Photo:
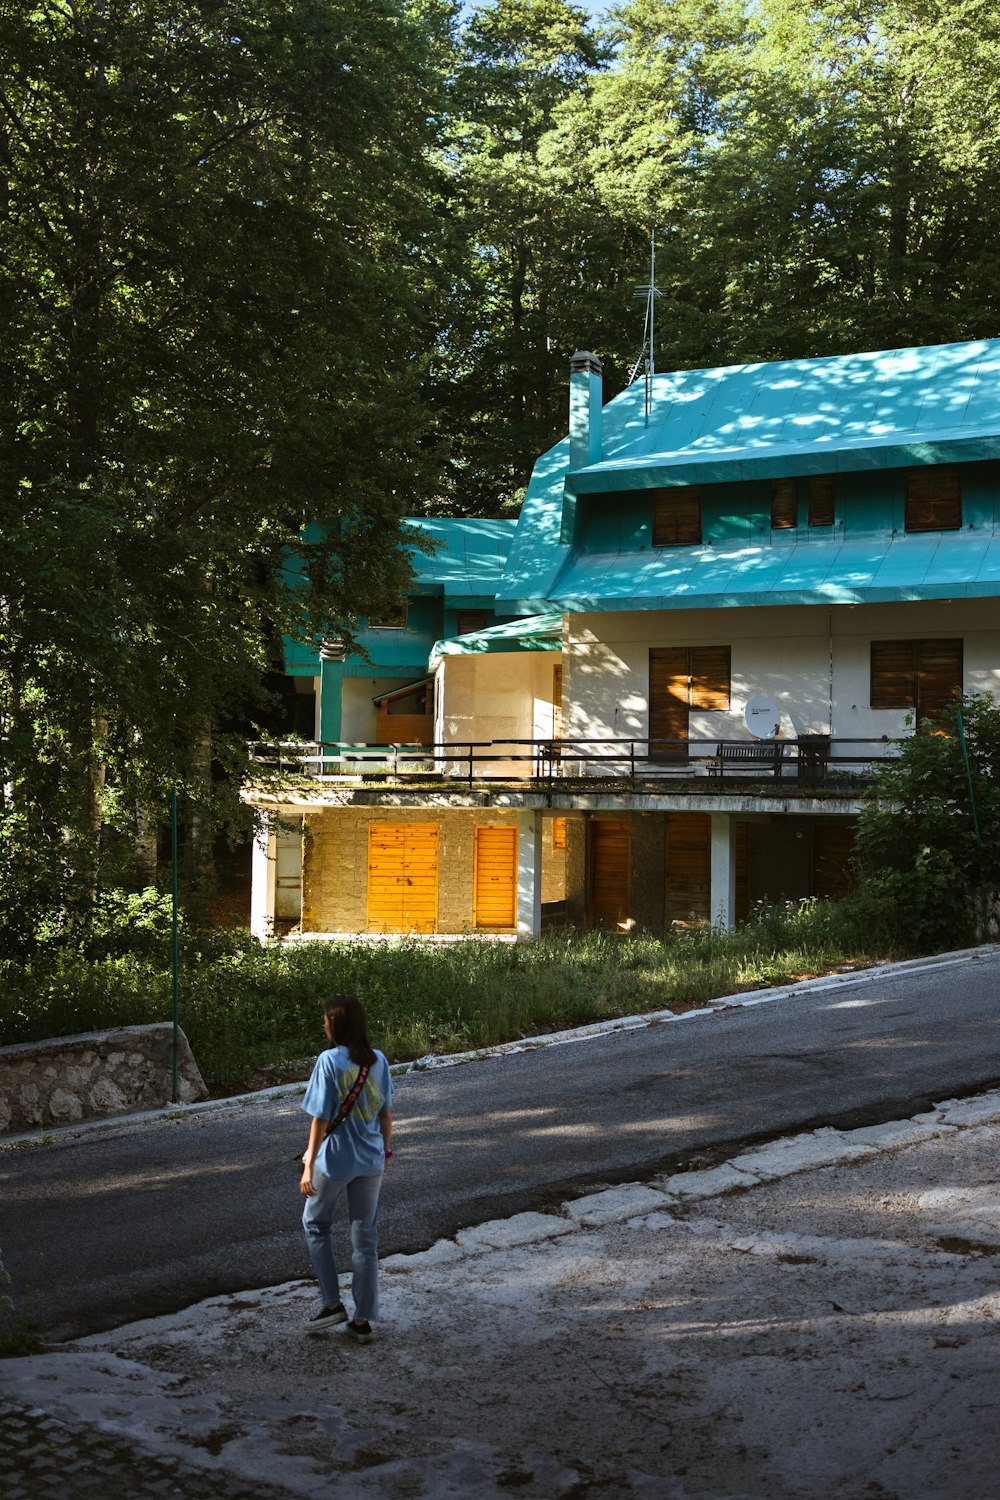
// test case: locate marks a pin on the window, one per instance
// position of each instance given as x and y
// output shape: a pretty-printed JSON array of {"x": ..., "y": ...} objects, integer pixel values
[
  {"x": 677, "y": 518},
  {"x": 822, "y": 500},
  {"x": 784, "y": 505},
  {"x": 389, "y": 619},
  {"x": 933, "y": 500},
  {"x": 470, "y": 620},
  {"x": 922, "y": 675},
  {"x": 682, "y": 678}
]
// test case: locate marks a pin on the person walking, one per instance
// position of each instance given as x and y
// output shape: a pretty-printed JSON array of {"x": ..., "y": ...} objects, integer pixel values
[{"x": 349, "y": 1097}]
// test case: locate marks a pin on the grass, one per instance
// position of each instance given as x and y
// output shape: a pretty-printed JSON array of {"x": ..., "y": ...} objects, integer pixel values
[{"x": 253, "y": 1015}]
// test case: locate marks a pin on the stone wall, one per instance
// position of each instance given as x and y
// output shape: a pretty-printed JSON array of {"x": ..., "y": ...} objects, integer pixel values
[{"x": 74, "y": 1078}]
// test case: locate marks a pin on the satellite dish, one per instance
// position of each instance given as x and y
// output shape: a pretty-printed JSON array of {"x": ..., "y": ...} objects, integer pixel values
[{"x": 762, "y": 718}]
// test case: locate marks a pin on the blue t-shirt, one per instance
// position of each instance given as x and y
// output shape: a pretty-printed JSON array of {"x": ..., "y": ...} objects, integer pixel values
[{"x": 354, "y": 1149}]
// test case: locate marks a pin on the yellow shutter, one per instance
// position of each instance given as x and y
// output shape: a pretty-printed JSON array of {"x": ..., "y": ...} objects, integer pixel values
[
  {"x": 496, "y": 877},
  {"x": 402, "y": 877}
]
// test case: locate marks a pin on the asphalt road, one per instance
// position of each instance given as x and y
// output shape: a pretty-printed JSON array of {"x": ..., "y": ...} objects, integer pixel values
[{"x": 142, "y": 1218}]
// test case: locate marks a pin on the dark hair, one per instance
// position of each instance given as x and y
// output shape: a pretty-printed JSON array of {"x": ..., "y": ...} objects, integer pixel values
[{"x": 348, "y": 1028}]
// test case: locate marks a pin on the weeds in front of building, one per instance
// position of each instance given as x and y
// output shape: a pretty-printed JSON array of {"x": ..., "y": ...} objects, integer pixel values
[{"x": 251, "y": 1013}]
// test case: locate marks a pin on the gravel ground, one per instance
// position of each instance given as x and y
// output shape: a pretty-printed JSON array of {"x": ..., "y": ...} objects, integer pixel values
[{"x": 818, "y": 1318}]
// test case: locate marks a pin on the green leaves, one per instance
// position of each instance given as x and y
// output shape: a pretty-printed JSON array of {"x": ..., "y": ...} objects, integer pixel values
[
  {"x": 214, "y": 287},
  {"x": 930, "y": 837}
]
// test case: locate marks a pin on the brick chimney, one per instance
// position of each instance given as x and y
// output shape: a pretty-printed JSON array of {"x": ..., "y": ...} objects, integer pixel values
[{"x": 585, "y": 392}]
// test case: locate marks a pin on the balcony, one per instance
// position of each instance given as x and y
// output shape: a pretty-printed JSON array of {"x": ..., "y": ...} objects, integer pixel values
[{"x": 702, "y": 766}]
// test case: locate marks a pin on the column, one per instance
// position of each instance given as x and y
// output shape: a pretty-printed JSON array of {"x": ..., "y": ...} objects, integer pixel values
[
  {"x": 263, "y": 878},
  {"x": 529, "y": 876},
  {"x": 722, "y": 904}
]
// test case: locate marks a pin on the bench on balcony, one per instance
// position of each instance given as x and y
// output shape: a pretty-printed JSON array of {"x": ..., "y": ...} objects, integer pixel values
[{"x": 757, "y": 755}]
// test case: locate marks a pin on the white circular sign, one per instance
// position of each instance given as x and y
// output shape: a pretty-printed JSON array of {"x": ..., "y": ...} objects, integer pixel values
[{"x": 762, "y": 718}]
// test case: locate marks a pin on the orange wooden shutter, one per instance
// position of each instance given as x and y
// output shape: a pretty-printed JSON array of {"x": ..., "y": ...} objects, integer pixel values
[
  {"x": 784, "y": 504},
  {"x": 609, "y": 871},
  {"x": 833, "y": 845},
  {"x": 710, "y": 677},
  {"x": 495, "y": 877},
  {"x": 402, "y": 877},
  {"x": 689, "y": 866},
  {"x": 893, "y": 674},
  {"x": 669, "y": 694},
  {"x": 933, "y": 500},
  {"x": 558, "y": 833},
  {"x": 822, "y": 501},
  {"x": 939, "y": 675},
  {"x": 677, "y": 517}
]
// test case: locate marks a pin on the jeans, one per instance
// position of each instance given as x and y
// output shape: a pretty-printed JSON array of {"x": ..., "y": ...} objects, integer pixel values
[{"x": 317, "y": 1221}]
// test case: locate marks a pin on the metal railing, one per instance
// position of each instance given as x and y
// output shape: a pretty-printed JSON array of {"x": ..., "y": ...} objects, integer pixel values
[{"x": 811, "y": 760}]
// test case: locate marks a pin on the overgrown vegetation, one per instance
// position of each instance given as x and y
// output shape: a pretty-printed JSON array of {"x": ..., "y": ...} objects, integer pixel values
[
  {"x": 252, "y": 1014},
  {"x": 929, "y": 840}
]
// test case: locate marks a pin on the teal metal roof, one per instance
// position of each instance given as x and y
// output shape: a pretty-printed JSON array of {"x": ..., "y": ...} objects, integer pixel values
[
  {"x": 537, "y": 633},
  {"x": 468, "y": 560},
  {"x": 862, "y": 570},
  {"x": 879, "y": 411}
]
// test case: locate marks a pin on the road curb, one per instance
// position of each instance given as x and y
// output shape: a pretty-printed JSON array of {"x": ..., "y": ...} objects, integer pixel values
[{"x": 590, "y": 1032}]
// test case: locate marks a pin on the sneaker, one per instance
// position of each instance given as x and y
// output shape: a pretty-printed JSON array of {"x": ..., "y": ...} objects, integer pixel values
[
  {"x": 327, "y": 1317},
  {"x": 361, "y": 1333}
]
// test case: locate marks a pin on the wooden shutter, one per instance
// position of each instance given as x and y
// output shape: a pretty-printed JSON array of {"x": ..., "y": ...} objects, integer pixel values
[
  {"x": 833, "y": 845},
  {"x": 495, "y": 878},
  {"x": 784, "y": 504},
  {"x": 689, "y": 867},
  {"x": 710, "y": 677},
  {"x": 609, "y": 871},
  {"x": 822, "y": 501},
  {"x": 677, "y": 518},
  {"x": 558, "y": 833},
  {"x": 669, "y": 699},
  {"x": 939, "y": 675},
  {"x": 893, "y": 674},
  {"x": 470, "y": 620},
  {"x": 923, "y": 675},
  {"x": 933, "y": 500},
  {"x": 402, "y": 877}
]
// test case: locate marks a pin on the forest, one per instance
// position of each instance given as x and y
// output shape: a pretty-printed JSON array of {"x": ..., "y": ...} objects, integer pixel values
[{"x": 327, "y": 259}]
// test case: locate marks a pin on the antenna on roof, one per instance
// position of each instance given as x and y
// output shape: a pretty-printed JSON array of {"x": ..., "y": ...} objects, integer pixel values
[{"x": 648, "y": 291}]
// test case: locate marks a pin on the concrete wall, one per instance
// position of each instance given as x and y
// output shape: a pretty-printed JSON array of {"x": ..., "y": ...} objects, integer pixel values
[
  {"x": 335, "y": 865},
  {"x": 814, "y": 662},
  {"x": 496, "y": 696},
  {"x": 358, "y": 712},
  {"x": 97, "y": 1073}
]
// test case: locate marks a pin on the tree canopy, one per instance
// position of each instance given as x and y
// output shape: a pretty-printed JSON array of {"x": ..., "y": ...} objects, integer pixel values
[{"x": 324, "y": 259}]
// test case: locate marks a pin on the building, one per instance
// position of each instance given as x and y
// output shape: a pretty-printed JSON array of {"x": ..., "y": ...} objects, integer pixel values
[{"x": 727, "y": 593}]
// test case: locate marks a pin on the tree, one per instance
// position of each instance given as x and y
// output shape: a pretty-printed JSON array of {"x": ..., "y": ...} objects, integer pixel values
[
  {"x": 929, "y": 836},
  {"x": 525, "y": 244},
  {"x": 217, "y": 237}
]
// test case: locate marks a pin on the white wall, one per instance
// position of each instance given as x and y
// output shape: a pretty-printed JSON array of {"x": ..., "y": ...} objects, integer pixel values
[
  {"x": 496, "y": 696},
  {"x": 812, "y": 661},
  {"x": 357, "y": 726}
]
